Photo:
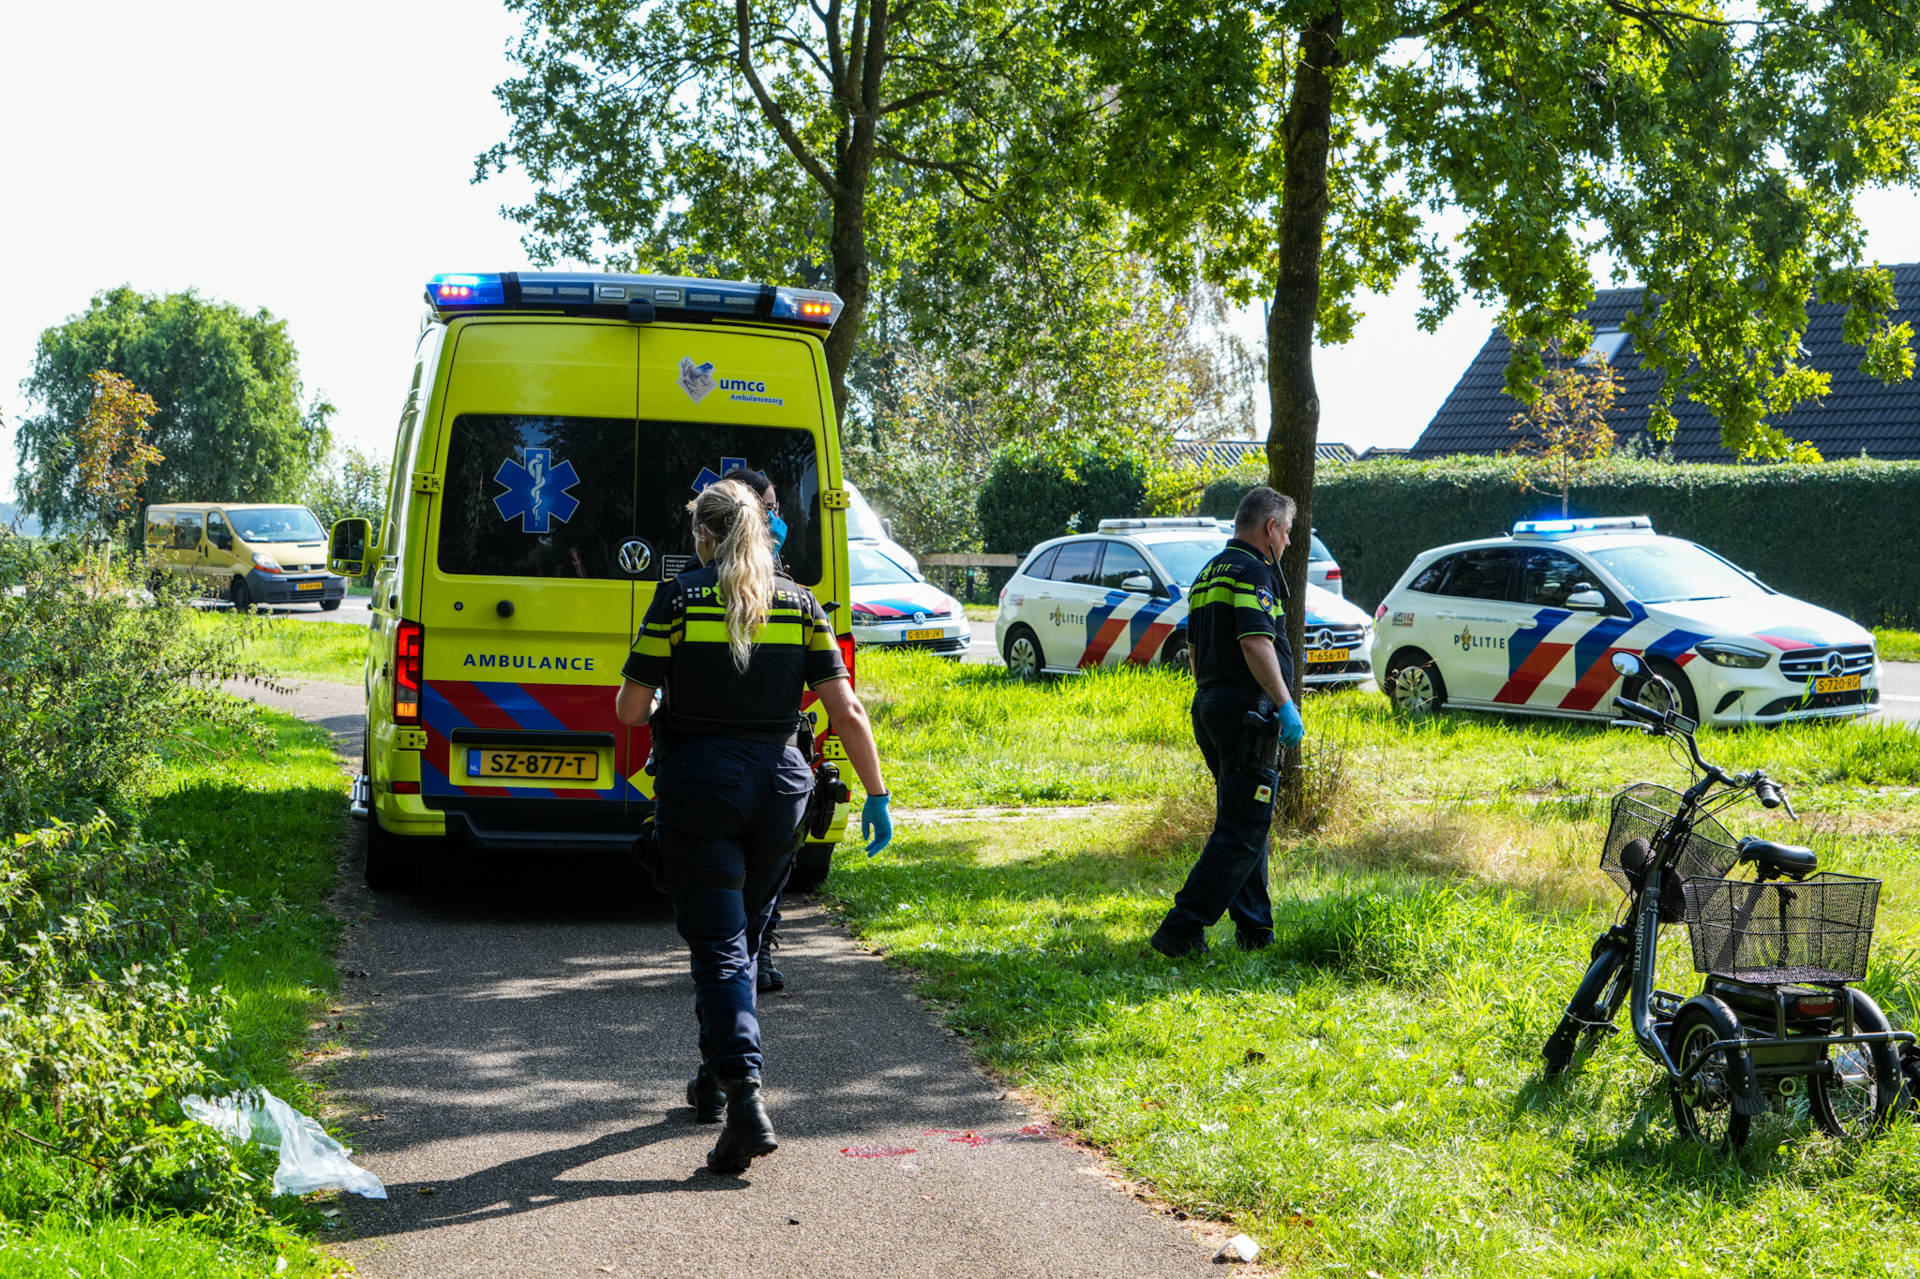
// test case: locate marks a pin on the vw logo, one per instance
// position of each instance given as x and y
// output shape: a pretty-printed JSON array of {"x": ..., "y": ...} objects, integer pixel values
[
  {"x": 635, "y": 555},
  {"x": 921, "y": 617},
  {"x": 1836, "y": 664}
]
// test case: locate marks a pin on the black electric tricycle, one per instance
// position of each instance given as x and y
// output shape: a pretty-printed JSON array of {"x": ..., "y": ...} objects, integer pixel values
[{"x": 1778, "y": 1021}]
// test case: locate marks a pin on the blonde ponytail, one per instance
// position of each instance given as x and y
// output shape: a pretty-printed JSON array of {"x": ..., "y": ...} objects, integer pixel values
[{"x": 730, "y": 514}]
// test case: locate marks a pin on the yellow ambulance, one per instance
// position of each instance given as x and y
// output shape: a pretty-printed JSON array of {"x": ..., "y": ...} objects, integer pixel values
[{"x": 556, "y": 427}]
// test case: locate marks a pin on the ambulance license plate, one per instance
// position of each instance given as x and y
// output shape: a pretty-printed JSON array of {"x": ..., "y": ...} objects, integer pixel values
[
  {"x": 1836, "y": 684},
  {"x": 913, "y": 635},
  {"x": 541, "y": 766},
  {"x": 308, "y": 586},
  {"x": 1327, "y": 654}
]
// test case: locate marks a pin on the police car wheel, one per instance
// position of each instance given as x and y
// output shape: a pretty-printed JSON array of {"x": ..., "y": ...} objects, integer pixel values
[
  {"x": 1414, "y": 683},
  {"x": 1024, "y": 658},
  {"x": 1176, "y": 652},
  {"x": 1651, "y": 694}
]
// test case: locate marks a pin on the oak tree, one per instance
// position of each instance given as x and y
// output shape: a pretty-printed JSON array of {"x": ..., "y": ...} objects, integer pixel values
[
  {"x": 225, "y": 384},
  {"x": 775, "y": 141},
  {"x": 1305, "y": 151}
]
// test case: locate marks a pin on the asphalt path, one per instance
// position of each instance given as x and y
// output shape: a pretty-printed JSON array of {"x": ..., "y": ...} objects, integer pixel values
[{"x": 522, "y": 1035}]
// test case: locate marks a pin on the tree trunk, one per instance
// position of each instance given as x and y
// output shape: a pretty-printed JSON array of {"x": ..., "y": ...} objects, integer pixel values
[
  {"x": 1291, "y": 323},
  {"x": 850, "y": 277}
]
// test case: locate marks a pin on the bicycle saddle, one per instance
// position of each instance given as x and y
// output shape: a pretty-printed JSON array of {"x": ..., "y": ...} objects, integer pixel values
[{"x": 1777, "y": 860}]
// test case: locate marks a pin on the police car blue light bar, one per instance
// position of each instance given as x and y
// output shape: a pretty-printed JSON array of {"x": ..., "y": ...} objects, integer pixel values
[
  {"x": 1562, "y": 528},
  {"x": 619, "y": 294}
]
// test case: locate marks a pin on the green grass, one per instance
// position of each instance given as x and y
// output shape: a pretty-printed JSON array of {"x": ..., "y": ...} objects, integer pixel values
[
  {"x": 962, "y": 734},
  {"x": 298, "y": 649},
  {"x": 270, "y": 826},
  {"x": 981, "y": 612},
  {"x": 1897, "y": 645},
  {"x": 1365, "y": 1095}
]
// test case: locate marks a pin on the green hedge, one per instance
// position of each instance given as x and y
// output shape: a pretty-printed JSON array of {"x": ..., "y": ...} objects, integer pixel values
[
  {"x": 1844, "y": 535},
  {"x": 1028, "y": 498}
]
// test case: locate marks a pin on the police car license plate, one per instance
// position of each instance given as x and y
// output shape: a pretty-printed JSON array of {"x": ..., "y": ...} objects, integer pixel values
[
  {"x": 308, "y": 586},
  {"x": 543, "y": 766},
  {"x": 1836, "y": 684},
  {"x": 932, "y": 634},
  {"x": 1327, "y": 654}
]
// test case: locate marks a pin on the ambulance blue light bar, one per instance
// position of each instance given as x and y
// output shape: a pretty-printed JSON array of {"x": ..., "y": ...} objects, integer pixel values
[
  {"x": 1566, "y": 528},
  {"x": 636, "y": 297}
]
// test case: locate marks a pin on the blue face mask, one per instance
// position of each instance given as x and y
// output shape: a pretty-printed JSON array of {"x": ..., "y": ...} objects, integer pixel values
[{"x": 777, "y": 527}]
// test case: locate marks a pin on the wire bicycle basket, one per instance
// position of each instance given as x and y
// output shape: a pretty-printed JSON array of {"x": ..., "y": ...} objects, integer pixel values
[
  {"x": 1644, "y": 811},
  {"x": 1817, "y": 930}
]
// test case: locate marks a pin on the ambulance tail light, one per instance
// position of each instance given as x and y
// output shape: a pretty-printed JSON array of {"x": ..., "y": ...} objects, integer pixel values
[
  {"x": 409, "y": 660},
  {"x": 846, "y": 655}
]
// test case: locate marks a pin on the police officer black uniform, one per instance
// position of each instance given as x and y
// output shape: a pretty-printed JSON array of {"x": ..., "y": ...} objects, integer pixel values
[
  {"x": 731, "y": 781},
  {"x": 1243, "y": 710}
]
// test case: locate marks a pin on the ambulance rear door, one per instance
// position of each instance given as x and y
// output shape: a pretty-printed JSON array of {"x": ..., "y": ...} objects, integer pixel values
[
  {"x": 528, "y": 595},
  {"x": 714, "y": 399}
]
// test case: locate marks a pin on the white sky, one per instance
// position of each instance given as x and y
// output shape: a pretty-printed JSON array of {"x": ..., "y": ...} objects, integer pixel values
[{"x": 319, "y": 167}]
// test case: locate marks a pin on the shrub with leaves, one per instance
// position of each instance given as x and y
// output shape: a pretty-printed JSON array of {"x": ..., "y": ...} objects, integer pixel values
[
  {"x": 95, "y": 676},
  {"x": 101, "y": 1030}
]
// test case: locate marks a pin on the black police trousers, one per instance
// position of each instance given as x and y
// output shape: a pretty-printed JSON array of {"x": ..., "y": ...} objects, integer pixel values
[
  {"x": 1231, "y": 873},
  {"x": 728, "y": 814}
]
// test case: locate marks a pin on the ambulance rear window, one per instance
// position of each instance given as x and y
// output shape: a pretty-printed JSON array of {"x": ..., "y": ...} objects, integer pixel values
[
  {"x": 537, "y": 496},
  {"x": 530, "y": 496}
]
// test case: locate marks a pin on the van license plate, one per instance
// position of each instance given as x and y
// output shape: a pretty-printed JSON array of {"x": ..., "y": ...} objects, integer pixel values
[
  {"x": 1327, "y": 655},
  {"x": 913, "y": 635},
  {"x": 543, "y": 766},
  {"x": 1836, "y": 684},
  {"x": 308, "y": 586}
]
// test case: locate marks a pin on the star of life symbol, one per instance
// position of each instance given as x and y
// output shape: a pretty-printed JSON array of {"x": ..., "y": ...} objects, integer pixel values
[
  {"x": 696, "y": 379},
  {"x": 536, "y": 490},
  {"x": 728, "y": 465}
]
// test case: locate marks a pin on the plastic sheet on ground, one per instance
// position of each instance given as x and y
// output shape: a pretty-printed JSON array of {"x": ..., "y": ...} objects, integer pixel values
[{"x": 309, "y": 1159}]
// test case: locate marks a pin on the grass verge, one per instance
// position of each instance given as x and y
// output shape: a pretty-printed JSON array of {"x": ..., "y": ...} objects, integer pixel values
[
  {"x": 1365, "y": 1095},
  {"x": 269, "y": 827},
  {"x": 1896, "y": 645},
  {"x": 956, "y": 734},
  {"x": 309, "y": 649}
]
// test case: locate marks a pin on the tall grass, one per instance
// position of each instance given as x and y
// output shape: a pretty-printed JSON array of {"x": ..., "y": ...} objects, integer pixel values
[{"x": 957, "y": 735}]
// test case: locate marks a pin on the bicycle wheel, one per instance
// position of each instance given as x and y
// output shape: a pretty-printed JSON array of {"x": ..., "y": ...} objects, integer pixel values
[
  {"x": 1703, "y": 1105},
  {"x": 1590, "y": 1013},
  {"x": 1858, "y": 1099}
]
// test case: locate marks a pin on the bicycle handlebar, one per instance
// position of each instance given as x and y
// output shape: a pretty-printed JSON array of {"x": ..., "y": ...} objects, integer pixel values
[{"x": 1671, "y": 722}]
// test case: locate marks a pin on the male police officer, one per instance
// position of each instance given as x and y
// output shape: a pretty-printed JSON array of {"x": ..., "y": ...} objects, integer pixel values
[{"x": 1242, "y": 711}]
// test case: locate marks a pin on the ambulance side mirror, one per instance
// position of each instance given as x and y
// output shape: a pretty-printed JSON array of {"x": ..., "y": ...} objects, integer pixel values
[{"x": 350, "y": 547}]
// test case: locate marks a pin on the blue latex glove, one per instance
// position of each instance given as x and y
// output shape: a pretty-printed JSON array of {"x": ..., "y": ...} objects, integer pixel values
[
  {"x": 876, "y": 824},
  {"x": 1292, "y": 731}
]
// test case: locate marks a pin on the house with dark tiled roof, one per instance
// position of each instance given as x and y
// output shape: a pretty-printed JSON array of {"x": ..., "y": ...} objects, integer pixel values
[{"x": 1857, "y": 414}]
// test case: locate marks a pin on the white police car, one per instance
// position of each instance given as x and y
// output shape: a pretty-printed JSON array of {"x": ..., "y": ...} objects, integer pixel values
[
  {"x": 894, "y": 607},
  {"x": 1120, "y": 595},
  {"x": 1529, "y": 623}
]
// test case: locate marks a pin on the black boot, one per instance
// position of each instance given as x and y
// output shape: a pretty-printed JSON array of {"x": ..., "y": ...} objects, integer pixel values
[
  {"x": 704, "y": 1095},
  {"x": 748, "y": 1133}
]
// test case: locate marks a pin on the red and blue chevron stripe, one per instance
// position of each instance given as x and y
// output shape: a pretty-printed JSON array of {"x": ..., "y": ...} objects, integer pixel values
[{"x": 451, "y": 705}]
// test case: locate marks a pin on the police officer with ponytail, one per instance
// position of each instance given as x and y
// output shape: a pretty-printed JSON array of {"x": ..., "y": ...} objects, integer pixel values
[{"x": 732, "y": 645}]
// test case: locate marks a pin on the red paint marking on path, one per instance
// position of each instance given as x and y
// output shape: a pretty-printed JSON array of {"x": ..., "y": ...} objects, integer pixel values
[{"x": 875, "y": 1152}]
